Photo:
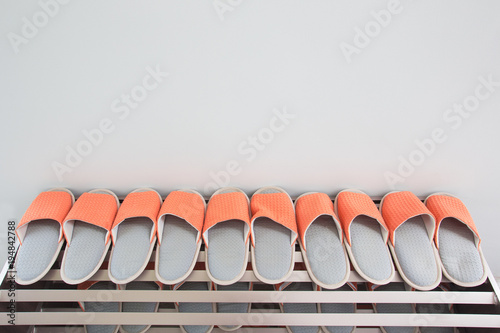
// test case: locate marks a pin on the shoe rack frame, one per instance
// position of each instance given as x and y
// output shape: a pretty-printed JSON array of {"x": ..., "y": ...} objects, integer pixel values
[{"x": 51, "y": 306}]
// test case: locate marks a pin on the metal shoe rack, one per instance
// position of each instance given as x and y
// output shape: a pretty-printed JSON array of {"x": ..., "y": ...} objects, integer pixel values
[{"x": 50, "y": 305}]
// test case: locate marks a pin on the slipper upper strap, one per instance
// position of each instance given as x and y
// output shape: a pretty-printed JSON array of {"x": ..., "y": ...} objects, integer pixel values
[
  {"x": 188, "y": 206},
  {"x": 138, "y": 204},
  {"x": 311, "y": 206},
  {"x": 282, "y": 286},
  {"x": 84, "y": 286},
  {"x": 277, "y": 207},
  {"x": 353, "y": 204},
  {"x": 94, "y": 208},
  {"x": 51, "y": 205},
  {"x": 398, "y": 207},
  {"x": 224, "y": 207},
  {"x": 445, "y": 206}
]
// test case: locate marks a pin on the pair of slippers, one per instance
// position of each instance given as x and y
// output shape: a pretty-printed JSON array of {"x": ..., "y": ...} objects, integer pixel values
[
  {"x": 96, "y": 306},
  {"x": 410, "y": 308},
  {"x": 211, "y": 307},
  {"x": 89, "y": 226},
  {"x": 350, "y": 228},
  {"x": 433, "y": 238},
  {"x": 327, "y": 241},
  {"x": 227, "y": 230},
  {"x": 55, "y": 216},
  {"x": 316, "y": 308}
]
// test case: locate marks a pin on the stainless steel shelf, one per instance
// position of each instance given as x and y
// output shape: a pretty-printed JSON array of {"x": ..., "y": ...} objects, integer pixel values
[{"x": 57, "y": 310}]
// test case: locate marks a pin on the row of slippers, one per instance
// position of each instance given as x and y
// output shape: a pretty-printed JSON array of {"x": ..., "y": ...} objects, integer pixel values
[
  {"x": 425, "y": 239},
  {"x": 246, "y": 307}
]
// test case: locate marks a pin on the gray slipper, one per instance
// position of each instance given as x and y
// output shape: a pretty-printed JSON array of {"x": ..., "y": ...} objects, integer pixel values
[
  {"x": 274, "y": 231},
  {"x": 299, "y": 307},
  {"x": 393, "y": 308},
  {"x": 101, "y": 307},
  {"x": 339, "y": 308},
  {"x": 149, "y": 307},
  {"x": 435, "y": 308},
  {"x": 366, "y": 236},
  {"x": 233, "y": 307},
  {"x": 195, "y": 307},
  {"x": 40, "y": 234},
  {"x": 458, "y": 241},
  {"x": 180, "y": 225},
  {"x": 226, "y": 232},
  {"x": 134, "y": 235},
  {"x": 411, "y": 228},
  {"x": 87, "y": 231},
  {"x": 321, "y": 240}
]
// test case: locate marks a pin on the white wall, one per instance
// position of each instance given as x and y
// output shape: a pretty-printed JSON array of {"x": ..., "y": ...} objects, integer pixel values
[{"x": 353, "y": 121}]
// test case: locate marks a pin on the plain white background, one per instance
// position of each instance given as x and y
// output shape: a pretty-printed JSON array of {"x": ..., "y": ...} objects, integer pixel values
[{"x": 352, "y": 122}]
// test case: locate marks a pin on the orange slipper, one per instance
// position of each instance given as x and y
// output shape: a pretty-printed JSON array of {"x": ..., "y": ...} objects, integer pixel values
[
  {"x": 274, "y": 232},
  {"x": 457, "y": 241},
  {"x": 366, "y": 236},
  {"x": 40, "y": 234},
  {"x": 320, "y": 239},
  {"x": 134, "y": 235},
  {"x": 87, "y": 230},
  {"x": 411, "y": 229},
  {"x": 180, "y": 226},
  {"x": 226, "y": 232}
]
